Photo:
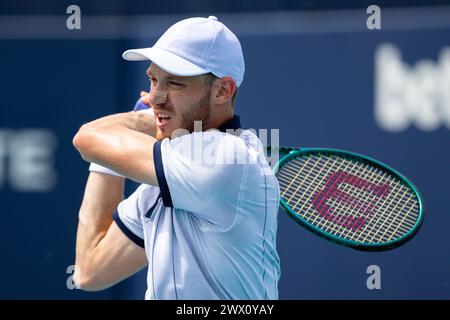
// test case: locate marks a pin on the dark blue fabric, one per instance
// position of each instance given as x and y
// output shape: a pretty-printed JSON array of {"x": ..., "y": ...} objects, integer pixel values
[
  {"x": 233, "y": 123},
  {"x": 139, "y": 241},
  {"x": 150, "y": 211},
  {"x": 159, "y": 168}
]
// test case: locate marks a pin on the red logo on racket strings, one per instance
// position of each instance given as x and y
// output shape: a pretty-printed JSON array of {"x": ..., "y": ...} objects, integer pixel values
[{"x": 331, "y": 191}]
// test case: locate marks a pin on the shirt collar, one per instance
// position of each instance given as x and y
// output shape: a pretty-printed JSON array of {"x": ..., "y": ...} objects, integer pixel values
[{"x": 233, "y": 123}]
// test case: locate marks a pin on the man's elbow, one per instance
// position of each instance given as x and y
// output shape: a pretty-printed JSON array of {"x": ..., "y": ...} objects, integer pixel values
[
  {"x": 83, "y": 140},
  {"x": 88, "y": 282}
]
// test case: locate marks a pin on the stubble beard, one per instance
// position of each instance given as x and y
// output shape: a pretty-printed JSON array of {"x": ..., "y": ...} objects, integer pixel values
[{"x": 198, "y": 112}]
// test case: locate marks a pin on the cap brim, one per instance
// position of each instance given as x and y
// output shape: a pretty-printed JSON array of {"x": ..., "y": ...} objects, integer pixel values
[{"x": 166, "y": 60}]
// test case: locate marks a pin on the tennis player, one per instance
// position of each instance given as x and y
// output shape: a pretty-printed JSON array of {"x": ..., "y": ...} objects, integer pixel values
[{"x": 204, "y": 219}]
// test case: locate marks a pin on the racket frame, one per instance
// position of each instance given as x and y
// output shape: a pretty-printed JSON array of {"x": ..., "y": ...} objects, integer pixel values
[{"x": 294, "y": 153}]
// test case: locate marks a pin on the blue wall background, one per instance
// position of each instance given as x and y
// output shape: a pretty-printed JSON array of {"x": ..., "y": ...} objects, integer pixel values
[{"x": 312, "y": 78}]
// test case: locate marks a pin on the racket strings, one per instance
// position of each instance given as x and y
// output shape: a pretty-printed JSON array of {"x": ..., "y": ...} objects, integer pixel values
[
  {"x": 388, "y": 218},
  {"x": 342, "y": 229}
]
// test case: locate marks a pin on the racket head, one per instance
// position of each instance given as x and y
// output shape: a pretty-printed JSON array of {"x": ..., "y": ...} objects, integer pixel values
[{"x": 391, "y": 217}]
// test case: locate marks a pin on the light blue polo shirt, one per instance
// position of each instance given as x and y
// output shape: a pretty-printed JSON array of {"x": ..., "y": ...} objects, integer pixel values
[{"x": 209, "y": 229}]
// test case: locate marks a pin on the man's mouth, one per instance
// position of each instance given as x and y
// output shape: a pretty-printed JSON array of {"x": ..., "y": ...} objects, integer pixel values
[{"x": 163, "y": 119}]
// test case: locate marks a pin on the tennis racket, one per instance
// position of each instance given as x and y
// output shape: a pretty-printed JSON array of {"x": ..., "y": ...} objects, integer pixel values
[{"x": 348, "y": 198}]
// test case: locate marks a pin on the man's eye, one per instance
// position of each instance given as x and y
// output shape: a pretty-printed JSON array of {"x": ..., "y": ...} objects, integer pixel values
[{"x": 176, "y": 83}]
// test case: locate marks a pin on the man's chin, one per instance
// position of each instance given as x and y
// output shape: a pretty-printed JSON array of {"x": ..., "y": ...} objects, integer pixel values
[
  {"x": 161, "y": 134},
  {"x": 171, "y": 132}
]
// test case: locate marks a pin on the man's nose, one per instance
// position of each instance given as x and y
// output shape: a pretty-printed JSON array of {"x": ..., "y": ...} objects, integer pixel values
[{"x": 157, "y": 96}]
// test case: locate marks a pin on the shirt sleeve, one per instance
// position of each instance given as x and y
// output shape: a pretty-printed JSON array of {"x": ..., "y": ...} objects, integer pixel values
[
  {"x": 129, "y": 219},
  {"x": 200, "y": 173}
]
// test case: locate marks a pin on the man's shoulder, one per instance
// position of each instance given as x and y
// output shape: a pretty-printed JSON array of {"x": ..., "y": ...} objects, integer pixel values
[
  {"x": 239, "y": 137},
  {"x": 235, "y": 146},
  {"x": 146, "y": 190}
]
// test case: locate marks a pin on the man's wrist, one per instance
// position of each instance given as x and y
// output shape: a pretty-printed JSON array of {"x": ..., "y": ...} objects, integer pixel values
[
  {"x": 101, "y": 169},
  {"x": 145, "y": 122}
]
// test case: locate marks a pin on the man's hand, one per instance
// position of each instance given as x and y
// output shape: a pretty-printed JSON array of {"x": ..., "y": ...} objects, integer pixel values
[{"x": 143, "y": 103}]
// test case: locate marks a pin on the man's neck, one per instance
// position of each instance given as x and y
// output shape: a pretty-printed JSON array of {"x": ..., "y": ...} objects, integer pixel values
[{"x": 219, "y": 120}]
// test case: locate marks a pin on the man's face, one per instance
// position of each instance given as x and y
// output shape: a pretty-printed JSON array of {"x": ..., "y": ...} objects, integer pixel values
[{"x": 177, "y": 101}]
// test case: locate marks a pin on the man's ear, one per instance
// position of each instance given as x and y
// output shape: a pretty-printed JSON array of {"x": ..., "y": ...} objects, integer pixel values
[{"x": 223, "y": 91}]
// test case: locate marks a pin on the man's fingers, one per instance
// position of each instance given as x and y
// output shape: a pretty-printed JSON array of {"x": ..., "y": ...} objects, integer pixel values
[{"x": 145, "y": 97}]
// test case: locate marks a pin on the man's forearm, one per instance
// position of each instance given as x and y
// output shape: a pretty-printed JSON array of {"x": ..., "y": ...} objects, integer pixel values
[
  {"x": 138, "y": 121},
  {"x": 102, "y": 195},
  {"x": 112, "y": 141}
]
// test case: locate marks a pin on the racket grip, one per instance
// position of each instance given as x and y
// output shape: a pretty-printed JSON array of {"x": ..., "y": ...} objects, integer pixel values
[{"x": 140, "y": 105}]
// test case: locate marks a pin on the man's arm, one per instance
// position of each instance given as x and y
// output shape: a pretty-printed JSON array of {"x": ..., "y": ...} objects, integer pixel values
[
  {"x": 122, "y": 142},
  {"x": 104, "y": 255}
]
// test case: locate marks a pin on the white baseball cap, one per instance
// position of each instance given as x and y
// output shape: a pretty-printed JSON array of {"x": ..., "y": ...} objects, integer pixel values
[{"x": 193, "y": 47}]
